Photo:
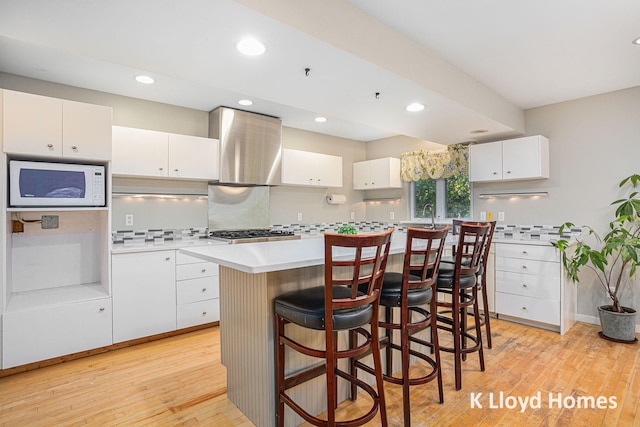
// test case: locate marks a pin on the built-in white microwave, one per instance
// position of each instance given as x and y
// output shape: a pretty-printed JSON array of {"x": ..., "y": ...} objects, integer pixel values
[{"x": 33, "y": 183}]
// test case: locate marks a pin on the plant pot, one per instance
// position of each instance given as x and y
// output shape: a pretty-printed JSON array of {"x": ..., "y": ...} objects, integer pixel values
[{"x": 618, "y": 326}]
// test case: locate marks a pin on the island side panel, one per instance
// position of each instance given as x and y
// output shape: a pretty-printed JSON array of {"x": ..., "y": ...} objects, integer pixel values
[{"x": 247, "y": 343}]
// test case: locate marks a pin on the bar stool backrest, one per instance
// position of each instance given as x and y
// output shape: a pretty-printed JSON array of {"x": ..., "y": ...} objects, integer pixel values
[
  {"x": 472, "y": 241},
  {"x": 352, "y": 260},
  {"x": 422, "y": 257}
]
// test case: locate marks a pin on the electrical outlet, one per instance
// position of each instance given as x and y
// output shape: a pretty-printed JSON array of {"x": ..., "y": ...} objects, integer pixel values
[
  {"x": 392, "y": 215},
  {"x": 49, "y": 221},
  {"x": 500, "y": 216},
  {"x": 489, "y": 216},
  {"x": 483, "y": 216},
  {"x": 128, "y": 219},
  {"x": 299, "y": 216},
  {"x": 353, "y": 215}
]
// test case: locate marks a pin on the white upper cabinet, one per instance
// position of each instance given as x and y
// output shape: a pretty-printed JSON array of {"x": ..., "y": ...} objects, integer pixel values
[
  {"x": 194, "y": 157},
  {"x": 86, "y": 131},
  {"x": 311, "y": 169},
  {"x": 513, "y": 159},
  {"x": 377, "y": 174},
  {"x": 50, "y": 127},
  {"x": 147, "y": 153},
  {"x": 140, "y": 152}
]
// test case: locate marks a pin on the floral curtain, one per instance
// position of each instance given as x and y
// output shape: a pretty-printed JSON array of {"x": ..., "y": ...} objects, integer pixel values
[{"x": 423, "y": 164}]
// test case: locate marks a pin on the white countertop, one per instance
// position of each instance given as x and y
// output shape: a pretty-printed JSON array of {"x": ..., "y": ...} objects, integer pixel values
[
  {"x": 166, "y": 245},
  {"x": 275, "y": 256}
]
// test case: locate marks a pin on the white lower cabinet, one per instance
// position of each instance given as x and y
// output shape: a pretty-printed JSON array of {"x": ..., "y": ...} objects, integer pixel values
[
  {"x": 198, "y": 291},
  {"x": 530, "y": 286},
  {"x": 144, "y": 294},
  {"x": 48, "y": 332}
]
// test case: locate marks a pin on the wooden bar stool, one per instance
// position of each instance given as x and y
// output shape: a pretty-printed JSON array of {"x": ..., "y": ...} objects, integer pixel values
[
  {"x": 409, "y": 292},
  {"x": 348, "y": 301},
  {"x": 459, "y": 281},
  {"x": 485, "y": 319}
]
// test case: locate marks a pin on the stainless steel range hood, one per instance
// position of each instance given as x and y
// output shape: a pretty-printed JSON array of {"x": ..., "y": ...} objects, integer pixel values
[{"x": 250, "y": 146}]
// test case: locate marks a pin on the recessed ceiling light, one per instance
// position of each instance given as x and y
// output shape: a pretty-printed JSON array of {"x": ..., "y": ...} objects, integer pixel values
[
  {"x": 251, "y": 46},
  {"x": 636, "y": 41},
  {"x": 415, "y": 107},
  {"x": 245, "y": 102},
  {"x": 320, "y": 119},
  {"x": 145, "y": 79},
  {"x": 479, "y": 131}
]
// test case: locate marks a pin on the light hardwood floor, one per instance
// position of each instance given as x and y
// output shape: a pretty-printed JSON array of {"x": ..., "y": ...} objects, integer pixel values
[{"x": 179, "y": 381}]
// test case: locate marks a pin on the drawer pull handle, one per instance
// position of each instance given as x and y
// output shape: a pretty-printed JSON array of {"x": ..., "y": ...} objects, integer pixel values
[
  {"x": 101, "y": 309},
  {"x": 168, "y": 258},
  {"x": 49, "y": 145},
  {"x": 204, "y": 289},
  {"x": 524, "y": 266},
  {"x": 524, "y": 285},
  {"x": 524, "y": 252},
  {"x": 74, "y": 147},
  {"x": 204, "y": 313},
  {"x": 524, "y": 308},
  {"x": 204, "y": 270}
]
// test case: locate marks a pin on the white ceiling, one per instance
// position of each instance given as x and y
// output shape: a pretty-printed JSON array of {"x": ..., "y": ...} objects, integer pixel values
[{"x": 475, "y": 64}]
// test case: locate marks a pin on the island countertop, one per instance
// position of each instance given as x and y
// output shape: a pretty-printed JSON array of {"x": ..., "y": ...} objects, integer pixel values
[{"x": 264, "y": 257}]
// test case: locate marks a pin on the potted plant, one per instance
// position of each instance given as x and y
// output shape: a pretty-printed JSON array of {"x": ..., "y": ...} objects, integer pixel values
[
  {"x": 347, "y": 229},
  {"x": 617, "y": 257}
]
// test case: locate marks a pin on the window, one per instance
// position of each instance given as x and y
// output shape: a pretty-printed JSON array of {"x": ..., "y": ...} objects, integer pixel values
[{"x": 451, "y": 198}]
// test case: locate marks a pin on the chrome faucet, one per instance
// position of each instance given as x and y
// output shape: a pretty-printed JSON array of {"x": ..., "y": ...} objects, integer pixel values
[{"x": 433, "y": 214}]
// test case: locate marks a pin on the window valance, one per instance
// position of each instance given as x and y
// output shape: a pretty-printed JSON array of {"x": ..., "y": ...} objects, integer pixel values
[{"x": 436, "y": 164}]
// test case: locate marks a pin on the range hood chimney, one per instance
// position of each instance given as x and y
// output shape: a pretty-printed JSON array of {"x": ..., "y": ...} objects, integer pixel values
[{"x": 250, "y": 146}]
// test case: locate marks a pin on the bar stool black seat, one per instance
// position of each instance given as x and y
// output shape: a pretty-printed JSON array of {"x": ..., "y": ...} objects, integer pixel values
[
  {"x": 409, "y": 292},
  {"x": 459, "y": 282},
  {"x": 348, "y": 301}
]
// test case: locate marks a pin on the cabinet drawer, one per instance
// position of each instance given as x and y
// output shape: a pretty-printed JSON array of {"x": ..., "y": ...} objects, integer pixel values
[
  {"x": 187, "y": 259},
  {"x": 529, "y": 285},
  {"x": 528, "y": 308},
  {"x": 541, "y": 253},
  {"x": 198, "y": 289},
  {"x": 526, "y": 266},
  {"x": 198, "y": 313},
  {"x": 194, "y": 271},
  {"x": 34, "y": 335}
]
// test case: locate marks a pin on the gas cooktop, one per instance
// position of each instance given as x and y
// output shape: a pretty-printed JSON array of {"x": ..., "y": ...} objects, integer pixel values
[{"x": 252, "y": 235}]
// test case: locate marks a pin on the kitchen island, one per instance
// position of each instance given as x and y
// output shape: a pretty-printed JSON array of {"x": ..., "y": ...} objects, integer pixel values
[{"x": 251, "y": 276}]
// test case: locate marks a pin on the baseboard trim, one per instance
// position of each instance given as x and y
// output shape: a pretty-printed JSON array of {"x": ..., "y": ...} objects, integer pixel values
[{"x": 595, "y": 320}]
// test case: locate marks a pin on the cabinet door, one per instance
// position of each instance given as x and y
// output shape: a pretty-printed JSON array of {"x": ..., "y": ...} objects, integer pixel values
[
  {"x": 525, "y": 158},
  {"x": 194, "y": 157},
  {"x": 32, "y": 124},
  {"x": 86, "y": 131},
  {"x": 139, "y": 152},
  {"x": 144, "y": 294},
  {"x": 361, "y": 175},
  {"x": 328, "y": 170},
  {"x": 33, "y": 335},
  {"x": 485, "y": 162},
  {"x": 295, "y": 168}
]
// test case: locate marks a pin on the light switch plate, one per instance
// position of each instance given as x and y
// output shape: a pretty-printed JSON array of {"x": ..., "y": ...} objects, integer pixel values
[
  {"x": 392, "y": 215},
  {"x": 483, "y": 216},
  {"x": 128, "y": 219},
  {"x": 299, "y": 216},
  {"x": 353, "y": 215},
  {"x": 500, "y": 216}
]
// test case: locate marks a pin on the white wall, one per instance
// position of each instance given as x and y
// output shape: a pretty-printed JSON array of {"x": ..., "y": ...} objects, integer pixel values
[{"x": 594, "y": 143}]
